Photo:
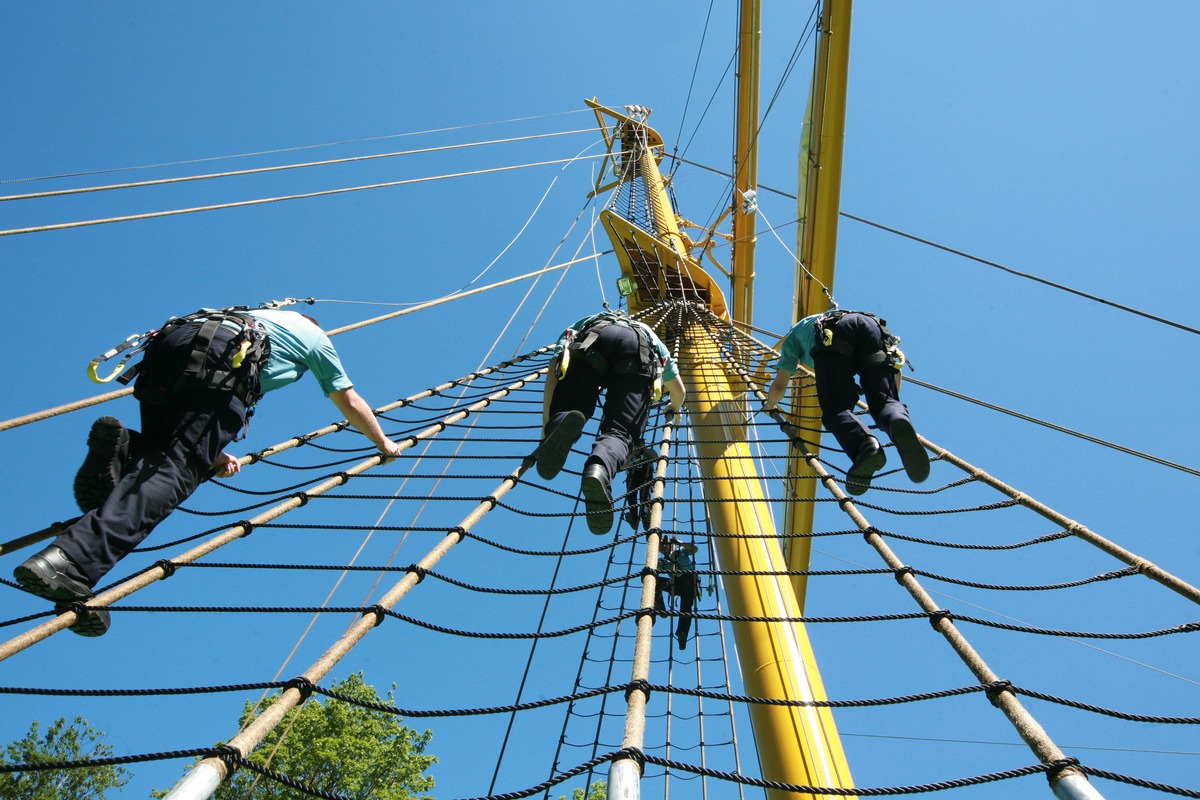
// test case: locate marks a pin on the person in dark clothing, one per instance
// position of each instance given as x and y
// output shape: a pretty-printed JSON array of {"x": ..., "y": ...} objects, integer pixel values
[
  {"x": 131, "y": 481},
  {"x": 838, "y": 346},
  {"x": 604, "y": 352},
  {"x": 677, "y": 576}
]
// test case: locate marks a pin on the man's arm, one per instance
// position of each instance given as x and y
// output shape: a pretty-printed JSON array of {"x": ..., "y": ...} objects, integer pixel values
[
  {"x": 778, "y": 388},
  {"x": 678, "y": 393},
  {"x": 359, "y": 414},
  {"x": 551, "y": 382}
]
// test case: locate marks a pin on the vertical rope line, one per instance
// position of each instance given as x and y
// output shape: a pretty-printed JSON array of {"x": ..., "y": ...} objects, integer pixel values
[{"x": 635, "y": 715}]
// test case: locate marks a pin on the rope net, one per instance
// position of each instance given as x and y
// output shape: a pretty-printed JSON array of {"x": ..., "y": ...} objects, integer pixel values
[{"x": 509, "y": 629}]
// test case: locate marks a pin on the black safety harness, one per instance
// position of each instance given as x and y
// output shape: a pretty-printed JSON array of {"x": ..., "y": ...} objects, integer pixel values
[
  {"x": 890, "y": 354},
  {"x": 647, "y": 363},
  {"x": 156, "y": 384}
]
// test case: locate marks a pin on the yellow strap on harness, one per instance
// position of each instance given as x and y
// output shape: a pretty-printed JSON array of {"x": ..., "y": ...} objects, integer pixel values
[
  {"x": 240, "y": 355},
  {"x": 563, "y": 362}
]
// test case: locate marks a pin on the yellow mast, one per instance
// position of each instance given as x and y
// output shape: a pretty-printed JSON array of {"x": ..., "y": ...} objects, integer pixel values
[
  {"x": 745, "y": 163},
  {"x": 796, "y": 745},
  {"x": 819, "y": 201}
]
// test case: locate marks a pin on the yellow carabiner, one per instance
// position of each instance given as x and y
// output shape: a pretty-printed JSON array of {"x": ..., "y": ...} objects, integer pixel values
[
  {"x": 564, "y": 361},
  {"x": 125, "y": 345}
]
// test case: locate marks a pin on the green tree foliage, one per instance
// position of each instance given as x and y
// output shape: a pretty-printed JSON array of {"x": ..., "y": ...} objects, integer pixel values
[
  {"x": 61, "y": 742},
  {"x": 336, "y": 747},
  {"x": 598, "y": 791}
]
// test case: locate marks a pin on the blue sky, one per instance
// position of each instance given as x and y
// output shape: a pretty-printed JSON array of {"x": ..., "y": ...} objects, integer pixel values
[{"x": 1056, "y": 139}]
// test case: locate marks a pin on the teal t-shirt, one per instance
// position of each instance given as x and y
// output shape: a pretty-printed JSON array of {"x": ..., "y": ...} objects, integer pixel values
[
  {"x": 670, "y": 368},
  {"x": 298, "y": 346},
  {"x": 799, "y": 344}
]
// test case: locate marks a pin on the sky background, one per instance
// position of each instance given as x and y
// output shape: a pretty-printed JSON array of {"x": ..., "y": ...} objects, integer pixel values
[{"x": 1057, "y": 139}]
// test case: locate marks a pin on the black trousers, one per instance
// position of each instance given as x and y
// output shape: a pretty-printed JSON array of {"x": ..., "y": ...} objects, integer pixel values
[
  {"x": 626, "y": 403},
  {"x": 836, "y": 389},
  {"x": 169, "y": 459},
  {"x": 682, "y": 586}
]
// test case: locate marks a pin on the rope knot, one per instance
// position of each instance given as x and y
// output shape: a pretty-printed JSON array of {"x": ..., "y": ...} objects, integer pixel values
[
  {"x": 418, "y": 570},
  {"x": 645, "y": 612},
  {"x": 227, "y": 753},
  {"x": 1055, "y": 769},
  {"x": 167, "y": 566},
  {"x": 301, "y": 684},
  {"x": 246, "y": 525},
  {"x": 460, "y": 530},
  {"x": 937, "y": 616},
  {"x": 633, "y": 754},
  {"x": 302, "y": 497},
  {"x": 871, "y": 530},
  {"x": 345, "y": 476},
  {"x": 77, "y": 606},
  {"x": 378, "y": 611},
  {"x": 639, "y": 685},
  {"x": 994, "y": 689},
  {"x": 900, "y": 572},
  {"x": 646, "y": 572}
]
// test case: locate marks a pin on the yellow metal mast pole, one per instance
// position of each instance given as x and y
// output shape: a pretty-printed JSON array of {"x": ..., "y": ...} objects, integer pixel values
[
  {"x": 801, "y": 745},
  {"x": 796, "y": 745},
  {"x": 819, "y": 203},
  {"x": 746, "y": 163}
]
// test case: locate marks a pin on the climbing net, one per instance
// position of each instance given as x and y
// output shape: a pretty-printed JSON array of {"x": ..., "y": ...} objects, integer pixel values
[{"x": 513, "y": 632}]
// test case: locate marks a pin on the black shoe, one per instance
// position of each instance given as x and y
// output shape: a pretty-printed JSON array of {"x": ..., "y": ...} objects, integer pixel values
[
  {"x": 91, "y": 623},
  {"x": 557, "y": 445},
  {"x": 597, "y": 499},
  {"x": 108, "y": 449},
  {"x": 871, "y": 459},
  {"x": 682, "y": 640},
  {"x": 912, "y": 454},
  {"x": 53, "y": 575}
]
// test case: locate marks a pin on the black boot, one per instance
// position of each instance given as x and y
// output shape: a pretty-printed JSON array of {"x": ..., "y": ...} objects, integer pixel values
[
  {"x": 870, "y": 460},
  {"x": 557, "y": 445},
  {"x": 597, "y": 498},
  {"x": 912, "y": 453},
  {"x": 53, "y": 575},
  {"x": 108, "y": 450}
]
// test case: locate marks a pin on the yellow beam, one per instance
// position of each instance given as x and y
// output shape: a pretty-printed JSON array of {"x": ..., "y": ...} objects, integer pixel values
[
  {"x": 796, "y": 745},
  {"x": 746, "y": 162},
  {"x": 819, "y": 204}
]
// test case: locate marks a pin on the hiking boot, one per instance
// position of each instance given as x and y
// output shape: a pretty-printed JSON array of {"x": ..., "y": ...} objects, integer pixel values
[
  {"x": 53, "y": 575},
  {"x": 555, "y": 448},
  {"x": 912, "y": 454},
  {"x": 871, "y": 459},
  {"x": 597, "y": 498},
  {"x": 108, "y": 449}
]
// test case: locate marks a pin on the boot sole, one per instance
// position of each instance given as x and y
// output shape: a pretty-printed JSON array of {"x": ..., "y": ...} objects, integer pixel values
[
  {"x": 102, "y": 468},
  {"x": 598, "y": 501},
  {"x": 48, "y": 584},
  {"x": 95, "y": 622},
  {"x": 912, "y": 454},
  {"x": 858, "y": 479},
  {"x": 554, "y": 450}
]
